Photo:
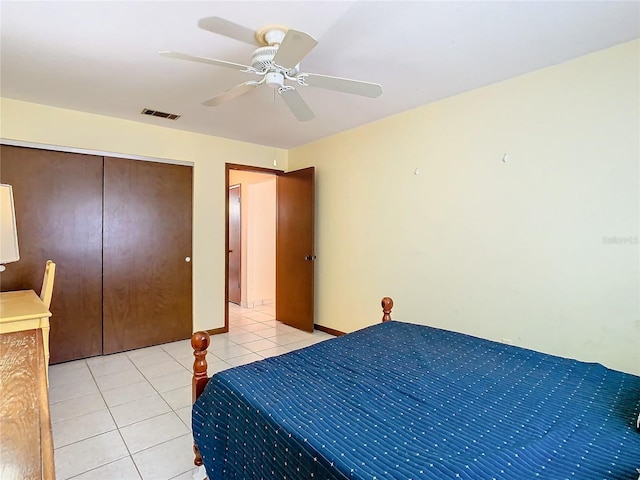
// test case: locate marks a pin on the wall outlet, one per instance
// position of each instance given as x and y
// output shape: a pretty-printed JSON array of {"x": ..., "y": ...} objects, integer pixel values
[{"x": 508, "y": 341}]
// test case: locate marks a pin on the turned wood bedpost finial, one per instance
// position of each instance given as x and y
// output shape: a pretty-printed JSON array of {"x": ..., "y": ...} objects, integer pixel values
[
  {"x": 387, "y": 305},
  {"x": 199, "y": 343}
]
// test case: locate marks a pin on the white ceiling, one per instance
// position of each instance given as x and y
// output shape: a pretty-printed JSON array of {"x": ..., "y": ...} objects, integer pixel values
[{"x": 101, "y": 57}]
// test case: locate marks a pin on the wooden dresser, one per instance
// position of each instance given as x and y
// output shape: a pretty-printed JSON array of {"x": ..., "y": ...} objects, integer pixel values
[{"x": 26, "y": 443}]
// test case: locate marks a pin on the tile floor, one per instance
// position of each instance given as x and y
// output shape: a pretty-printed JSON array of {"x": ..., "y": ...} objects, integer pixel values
[{"x": 127, "y": 416}]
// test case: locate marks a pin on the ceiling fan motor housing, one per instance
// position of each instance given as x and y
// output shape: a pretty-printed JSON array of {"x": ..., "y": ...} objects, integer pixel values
[
  {"x": 262, "y": 61},
  {"x": 263, "y": 58}
]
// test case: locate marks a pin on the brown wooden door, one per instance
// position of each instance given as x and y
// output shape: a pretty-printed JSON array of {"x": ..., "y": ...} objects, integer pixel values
[
  {"x": 147, "y": 239},
  {"x": 294, "y": 248},
  {"x": 235, "y": 245},
  {"x": 58, "y": 201}
]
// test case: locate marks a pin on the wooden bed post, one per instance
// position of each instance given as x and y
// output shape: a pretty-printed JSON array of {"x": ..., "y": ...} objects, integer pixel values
[
  {"x": 200, "y": 343},
  {"x": 387, "y": 305}
]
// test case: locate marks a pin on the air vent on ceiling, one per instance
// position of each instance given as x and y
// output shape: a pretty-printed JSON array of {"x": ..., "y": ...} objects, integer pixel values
[{"x": 155, "y": 113}]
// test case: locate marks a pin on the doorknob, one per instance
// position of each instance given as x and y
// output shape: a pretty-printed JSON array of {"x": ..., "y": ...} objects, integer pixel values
[
  {"x": 310, "y": 257},
  {"x": 187, "y": 259}
]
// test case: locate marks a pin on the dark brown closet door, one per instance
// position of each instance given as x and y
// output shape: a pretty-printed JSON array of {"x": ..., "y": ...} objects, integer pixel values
[
  {"x": 147, "y": 250},
  {"x": 58, "y": 201}
]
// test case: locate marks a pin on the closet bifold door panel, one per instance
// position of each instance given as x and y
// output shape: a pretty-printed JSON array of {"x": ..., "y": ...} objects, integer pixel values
[
  {"x": 58, "y": 202},
  {"x": 146, "y": 254}
]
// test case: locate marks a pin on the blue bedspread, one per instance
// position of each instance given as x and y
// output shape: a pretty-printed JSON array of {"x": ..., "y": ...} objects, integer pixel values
[{"x": 402, "y": 401}]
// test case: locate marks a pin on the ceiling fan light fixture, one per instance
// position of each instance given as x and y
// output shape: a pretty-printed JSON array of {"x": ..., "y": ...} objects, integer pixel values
[{"x": 274, "y": 79}]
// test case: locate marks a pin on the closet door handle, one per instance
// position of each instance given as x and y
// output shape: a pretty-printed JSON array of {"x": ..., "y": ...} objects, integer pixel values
[{"x": 310, "y": 257}]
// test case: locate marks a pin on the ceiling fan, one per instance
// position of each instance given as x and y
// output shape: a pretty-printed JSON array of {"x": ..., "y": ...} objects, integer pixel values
[{"x": 277, "y": 61}]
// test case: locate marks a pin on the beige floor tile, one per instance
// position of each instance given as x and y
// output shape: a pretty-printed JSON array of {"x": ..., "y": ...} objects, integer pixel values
[
  {"x": 66, "y": 373},
  {"x": 178, "y": 349},
  {"x": 166, "y": 460},
  {"x": 76, "y": 407},
  {"x": 230, "y": 352},
  {"x": 287, "y": 338},
  {"x": 178, "y": 398},
  {"x": 267, "y": 332},
  {"x": 153, "y": 431},
  {"x": 62, "y": 367},
  {"x": 138, "y": 410},
  {"x": 220, "y": 340},
  {"x": 254, "y": 327},
  {"x": 244, "y": 359},
  {"x": 128, "y": 393},
  {"x": 160, "y": 369},
  {"x": 188, "y": 475},
  {"x": 262, "y": 344},
  {"x": 81, "y": 428},
  {"x": 241, "y": 338},
  {"x": 216, "y": 366},
  {"x": 115, "y": 380},
  {"x": 304, "y": 343},
  {"x": 273, "y": 352},
  {"x": 123, "y": 469},
  {"x": 185, "y": 415},
  {"x": 259, "y": 316},
  {"x": 172, "y": 381},
  {"x": 88, "y": 454},
  {"x": 72, "y": 390},
  {"x": 110, "y": 365},
  {"x": 151, "y": 356}
]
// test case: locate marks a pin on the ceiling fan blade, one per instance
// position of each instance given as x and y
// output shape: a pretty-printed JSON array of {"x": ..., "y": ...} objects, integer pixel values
[
  {"x": 228, "y": 29},
  {"x": 297, "y": 105},
  {"x": 230, "y": 94},
  {"x": 345, "y": 85},
  {"x": 210, "y": 61},
  {"x": 294, "y": 47}
]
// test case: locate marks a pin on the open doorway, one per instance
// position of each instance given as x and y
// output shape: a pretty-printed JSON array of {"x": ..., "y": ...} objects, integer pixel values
[
  {"x": 294, "y": 246},
  {"x": 251, "y": 240}
]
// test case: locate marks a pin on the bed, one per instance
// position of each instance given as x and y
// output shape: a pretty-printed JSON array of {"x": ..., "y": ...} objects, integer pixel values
[{"x": 405, "y": 401}]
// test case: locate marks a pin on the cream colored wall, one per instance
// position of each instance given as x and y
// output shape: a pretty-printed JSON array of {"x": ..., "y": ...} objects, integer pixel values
[
  {"x": 515, "y": 250},
  {"x": 261, "y": 243},
  {"x": 257, "y": 262},
  {"x": 38, "y": 124}
]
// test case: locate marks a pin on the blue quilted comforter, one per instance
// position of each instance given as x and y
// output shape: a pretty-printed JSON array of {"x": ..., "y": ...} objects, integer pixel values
[{"x": 403, "y": 401}]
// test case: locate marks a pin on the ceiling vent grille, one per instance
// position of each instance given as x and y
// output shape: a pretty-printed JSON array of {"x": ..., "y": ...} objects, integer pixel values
[{"x": 156, "y": 113}]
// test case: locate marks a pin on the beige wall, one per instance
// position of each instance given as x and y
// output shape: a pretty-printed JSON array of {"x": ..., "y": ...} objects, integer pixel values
[
  {"x": 258, "y": 236},
  {"x": 38, "y": 124},
  {"x": 261, "y": 243},
  {"x": 510, "y": 250}
]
